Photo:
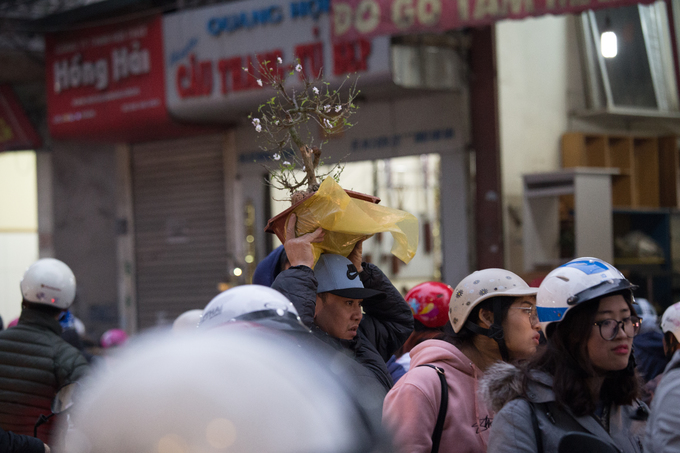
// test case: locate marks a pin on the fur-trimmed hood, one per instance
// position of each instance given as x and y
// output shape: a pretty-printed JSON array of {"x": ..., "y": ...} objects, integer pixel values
[{"x": 503, "y": 382}]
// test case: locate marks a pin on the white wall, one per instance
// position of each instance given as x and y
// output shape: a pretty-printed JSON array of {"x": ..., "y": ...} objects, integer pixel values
[
  {"x": 535, "y": 76},
  {"x": 18, "y": 226}
]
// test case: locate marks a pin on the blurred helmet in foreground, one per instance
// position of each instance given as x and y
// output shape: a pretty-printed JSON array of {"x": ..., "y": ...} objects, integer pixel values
[
  {"x": 187, "y": 321},
  {"x": 429, "y": 302},
  {"x": 230, "y": 389}
]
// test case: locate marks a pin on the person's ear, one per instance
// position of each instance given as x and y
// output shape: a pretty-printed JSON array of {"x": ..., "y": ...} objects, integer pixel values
[{"x": 485, "y": 318}]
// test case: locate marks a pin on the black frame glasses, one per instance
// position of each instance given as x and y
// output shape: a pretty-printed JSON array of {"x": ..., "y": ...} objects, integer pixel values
[{"x": 630, "y": 325}]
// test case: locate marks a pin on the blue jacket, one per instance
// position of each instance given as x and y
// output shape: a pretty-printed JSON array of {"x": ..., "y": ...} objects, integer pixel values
[
  {"x": 267, "y": 270},
  {"x": 648, "y": 350}
]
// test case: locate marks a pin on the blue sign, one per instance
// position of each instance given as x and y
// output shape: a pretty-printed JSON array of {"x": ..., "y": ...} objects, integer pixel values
[{"x": 233, "y": 22}]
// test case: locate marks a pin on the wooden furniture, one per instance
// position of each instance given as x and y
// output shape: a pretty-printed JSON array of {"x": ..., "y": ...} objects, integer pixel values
[{"x": 648, "y": 166}]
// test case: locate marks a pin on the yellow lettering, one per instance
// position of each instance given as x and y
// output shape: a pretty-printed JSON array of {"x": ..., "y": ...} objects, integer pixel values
[
  {"x": 6, "y": 133},
  {"x": 515, "y": 6},
  {"x": 429, "y": 11},
  {"x": 403, "y": 14},
  {"x": 368, "y": 16},
  {"x": 342, "y": 18},
  {"x": 485, "y": 8},
  {"x": 463, "y": 9},
  {"x": 552, "y": 4}
]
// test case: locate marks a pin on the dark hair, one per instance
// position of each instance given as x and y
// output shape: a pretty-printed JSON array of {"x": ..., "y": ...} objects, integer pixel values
[
  {"x": 47, "y": 309},
  {"x": 466, "y": 336},
  {"x": 420, "y": 333},
  {"x": 565, "y": 357}
]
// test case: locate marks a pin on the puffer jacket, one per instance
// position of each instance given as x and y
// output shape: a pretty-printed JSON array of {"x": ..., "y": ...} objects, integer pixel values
[
  {"x": 411, "y": 408},
  {"x": 34, "y": 364},
  {"x": 385, "y": 326},
  {"x": 663, "y": 426},
  {"x": 512, "y": 429}
]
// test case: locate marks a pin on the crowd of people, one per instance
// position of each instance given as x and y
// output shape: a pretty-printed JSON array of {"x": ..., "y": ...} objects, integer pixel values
[{"x": 325, "y": 355}]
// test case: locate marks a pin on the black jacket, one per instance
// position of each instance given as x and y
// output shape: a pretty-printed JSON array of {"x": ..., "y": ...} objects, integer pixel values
[
  {"x": 385, "y": 326},
  {"x": 34, "y": 364},
  {"x": 16, "y": 443}
]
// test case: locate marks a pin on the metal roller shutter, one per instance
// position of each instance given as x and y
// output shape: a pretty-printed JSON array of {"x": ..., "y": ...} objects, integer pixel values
[{"x": 180, "y": 227}]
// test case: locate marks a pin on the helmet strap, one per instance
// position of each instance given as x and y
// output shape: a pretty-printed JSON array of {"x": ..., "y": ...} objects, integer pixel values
[{"x": 495, "y": 330}]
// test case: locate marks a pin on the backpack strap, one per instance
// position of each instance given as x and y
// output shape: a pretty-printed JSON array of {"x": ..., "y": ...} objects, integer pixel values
[
  {"x": 537, "y": 431},
  {"x": 443, "y": 407}
]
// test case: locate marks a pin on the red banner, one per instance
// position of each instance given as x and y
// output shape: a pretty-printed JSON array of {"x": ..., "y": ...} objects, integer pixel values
[
  {"x": 354, "y": 19},
  {"x": 107, "y": 83},
  {"x": 16, "y": 132}
]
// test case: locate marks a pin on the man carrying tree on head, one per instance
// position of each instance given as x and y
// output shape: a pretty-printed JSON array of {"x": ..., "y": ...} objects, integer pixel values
[{"x": 348, "y": 304}]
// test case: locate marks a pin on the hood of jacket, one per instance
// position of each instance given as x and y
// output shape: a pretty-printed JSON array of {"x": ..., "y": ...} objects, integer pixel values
[
  {"x": 267, "y": 270},
  {"x": 442, "y": 352},
  {"x": 503, "y": 382}
]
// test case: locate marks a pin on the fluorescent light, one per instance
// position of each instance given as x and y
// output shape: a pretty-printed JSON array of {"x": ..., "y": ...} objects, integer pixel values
[{"x": 608, "y": 44}]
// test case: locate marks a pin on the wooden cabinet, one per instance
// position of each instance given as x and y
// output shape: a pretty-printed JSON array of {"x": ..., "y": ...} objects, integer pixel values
[{"x": 648, "y": 166}]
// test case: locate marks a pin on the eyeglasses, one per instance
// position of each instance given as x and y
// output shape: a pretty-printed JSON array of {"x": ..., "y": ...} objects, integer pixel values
[
  {"x": 609, "y": 328},
  {"x": 531, "y": 313}
]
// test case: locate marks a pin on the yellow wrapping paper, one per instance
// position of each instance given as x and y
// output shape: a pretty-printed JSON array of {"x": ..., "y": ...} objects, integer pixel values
[{"x": 348, "y": 220}]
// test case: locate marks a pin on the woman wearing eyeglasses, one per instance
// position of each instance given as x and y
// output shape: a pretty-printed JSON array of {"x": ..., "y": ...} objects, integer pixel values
[
  {"x": 584, "y": 380},
  {"x": 492, "y": 317}
]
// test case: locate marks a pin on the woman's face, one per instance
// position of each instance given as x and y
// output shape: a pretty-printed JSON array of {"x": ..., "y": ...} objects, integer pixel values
[
  {"x": 610, "y": 355},
  {"x": 521, "y": 328}
]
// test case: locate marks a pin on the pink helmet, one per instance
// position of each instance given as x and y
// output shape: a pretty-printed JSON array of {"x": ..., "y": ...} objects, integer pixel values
[{"x": 113, "y": 337}]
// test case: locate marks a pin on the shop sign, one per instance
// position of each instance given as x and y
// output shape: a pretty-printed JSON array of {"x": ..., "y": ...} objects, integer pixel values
[
  {"x": 16, "y": 132},
  {"x": 207, "y": 49},
  {"x": 355, "y": 19},
  {"x": 106, "y": 81}
]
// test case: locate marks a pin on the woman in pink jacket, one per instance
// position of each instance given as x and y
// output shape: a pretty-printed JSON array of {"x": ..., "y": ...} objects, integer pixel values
[{"x": 492, "y": 317}]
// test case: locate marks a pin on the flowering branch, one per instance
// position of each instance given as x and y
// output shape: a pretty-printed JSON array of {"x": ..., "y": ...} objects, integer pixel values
[{"x": 282, "y": 118}]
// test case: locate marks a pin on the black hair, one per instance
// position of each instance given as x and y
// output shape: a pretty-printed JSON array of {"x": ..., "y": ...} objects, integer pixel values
[
  {"x": 565, "y": 357},
  {"x": 47, "y": 309},
  {"x": 466, "y": 336}
]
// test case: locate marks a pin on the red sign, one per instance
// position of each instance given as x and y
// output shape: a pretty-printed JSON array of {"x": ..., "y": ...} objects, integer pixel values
[
  {"x": 353, "y": 19},
  {"x": 107, "y": 83},
  {"x": 16, "y": 132}
]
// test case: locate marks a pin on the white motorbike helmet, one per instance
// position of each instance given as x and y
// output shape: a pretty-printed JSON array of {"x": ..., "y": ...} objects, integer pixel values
[
  {"x": 670, "y": 321},
  {"x": 234, "y": 390},
  {"x": 646, "y": 311},
  {"x": 187, "y": 321},
  {"x": 49, "y": 281},
  {"x": 478, "y": 287},
  {"x": 254, "y": 303},
  {"x": 578, "y": 281}
]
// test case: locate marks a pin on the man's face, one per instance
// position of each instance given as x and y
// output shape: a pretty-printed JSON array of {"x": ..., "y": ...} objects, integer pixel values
[{"x": 338, "y": 316}]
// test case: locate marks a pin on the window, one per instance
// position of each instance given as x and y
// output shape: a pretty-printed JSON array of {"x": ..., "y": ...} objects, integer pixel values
[{"x": 641, "y": 76}]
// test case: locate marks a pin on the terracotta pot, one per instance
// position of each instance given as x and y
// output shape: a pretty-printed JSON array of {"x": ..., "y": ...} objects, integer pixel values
[{"x": 277, "y": 224}]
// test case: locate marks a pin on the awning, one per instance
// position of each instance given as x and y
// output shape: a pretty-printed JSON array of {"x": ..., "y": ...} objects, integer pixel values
[
  {"x": 354, "y": 19},
  {"x": 16, "y": 132}
]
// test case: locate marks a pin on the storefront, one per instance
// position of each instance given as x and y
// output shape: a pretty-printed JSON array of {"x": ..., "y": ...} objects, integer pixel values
[{"x": 186, "y": 210}]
